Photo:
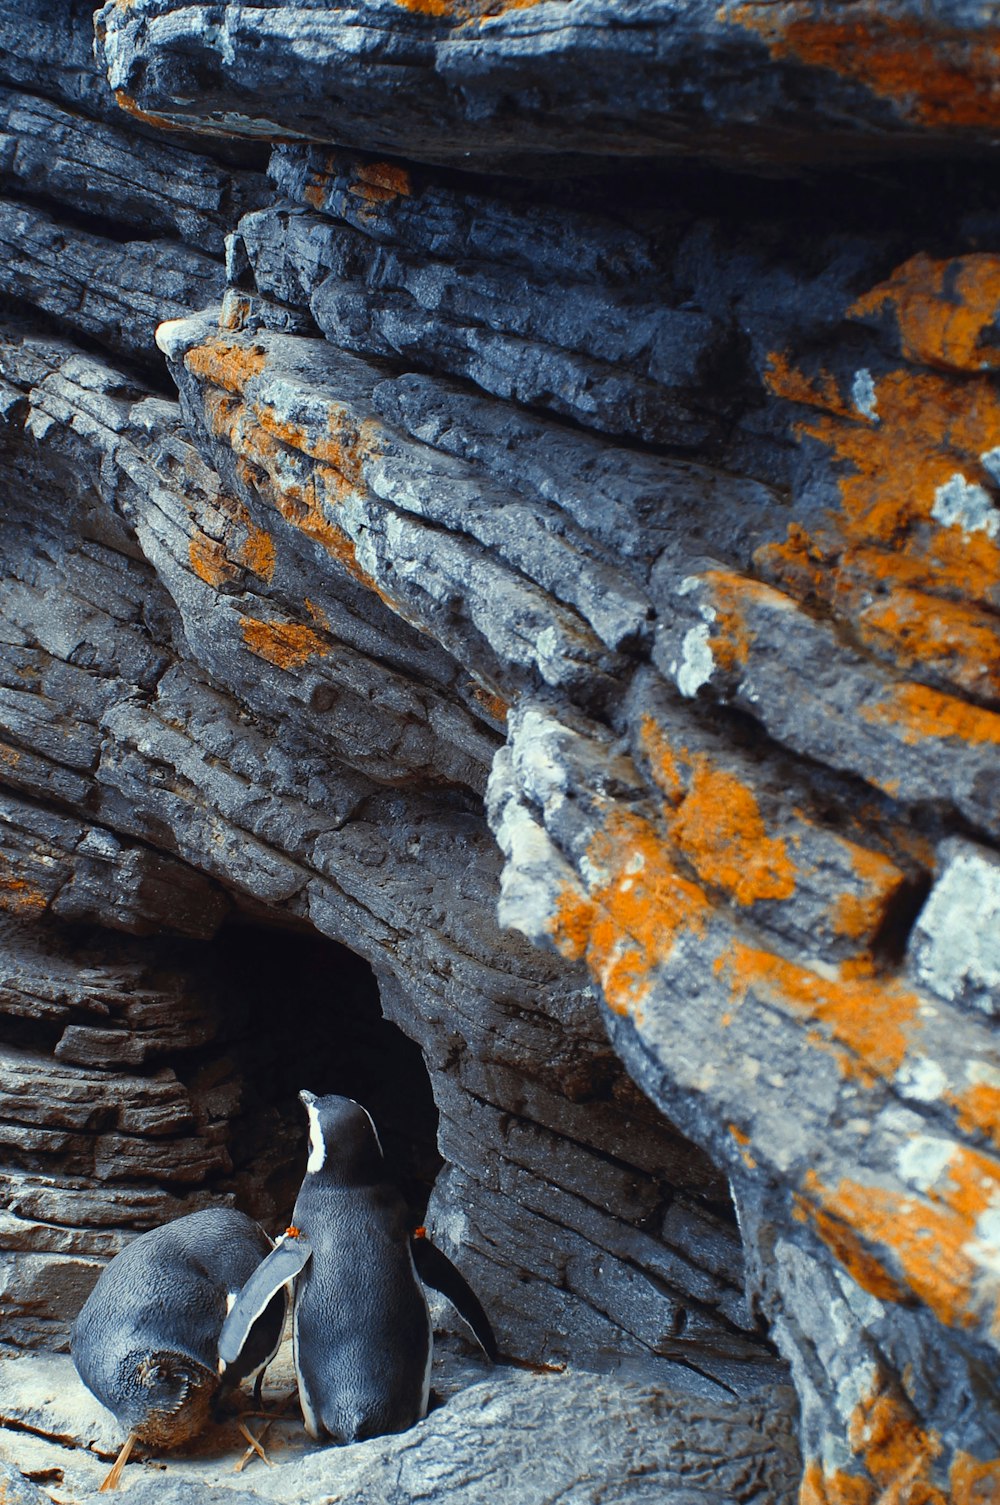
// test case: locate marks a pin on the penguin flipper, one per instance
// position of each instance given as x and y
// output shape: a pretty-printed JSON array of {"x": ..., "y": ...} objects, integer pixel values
[
  {"x": 436, "y": 1269},
  {"x": 288, "y": 1257}
]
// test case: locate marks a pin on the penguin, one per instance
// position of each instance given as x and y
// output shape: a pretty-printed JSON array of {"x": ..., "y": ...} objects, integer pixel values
[
  {"x": 146, "y": 1340},
  {"x": 361, "y": 1330}
]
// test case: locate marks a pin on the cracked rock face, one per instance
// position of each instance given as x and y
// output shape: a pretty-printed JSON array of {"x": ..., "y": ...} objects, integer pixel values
[{"x": 501, "y": 573}]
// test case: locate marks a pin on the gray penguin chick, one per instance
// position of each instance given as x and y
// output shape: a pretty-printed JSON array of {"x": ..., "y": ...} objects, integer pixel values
[{"x": 146, "y": 1340}]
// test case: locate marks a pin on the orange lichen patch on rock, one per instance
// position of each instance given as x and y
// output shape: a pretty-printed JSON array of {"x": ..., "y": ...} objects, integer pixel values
[
  {"x": 209, "y": 561},
  {"x": 818, "y": 391},
  {"x": 934, "y": 75},
  {"x": 928, "y": 1240},
  {"x": 719, "y": 828},
  {"x": 977, "y": 1109},
  {"x": 257, "y": 552},
  {"x": 930, "y": 428},
  {"x": 634, "y": 915},
  {"x": 381, "y": 182},
  {"x": 279, "y": 460},
  {"x": 915, "y": 516},
  {"x": 730, "y": 593},
  {"x": 662, "y": 760},
  {"x": 226, "y": 363},
  {"x": 872, "y": 1018},
  {"x": 801, "y": 564},
  {"x": 837, "y": 1488},
  {"x": 974, "y": 1481},
  {"x": 466, "y": 10},
  {"x": 845, "y": 1246},
  {"x": 18, "y": 896},
  {"x": 9, "y": 755},
  {"x": 922, "y": 714},
  {"x": 946, "y": 311},
  {"x": 962, "y": 642},
  {"x": 125, "y": 102},
  {"x": 288, "y": 645},
  {"x": 859, "y": 916},
  {"x": 494, "y": 705},
  {"x": 897, "y": 1452},
  {"x": 346, "y": 443},
  {"x": 315, "y": 190},
  {"x": 743, "y": 1141}
]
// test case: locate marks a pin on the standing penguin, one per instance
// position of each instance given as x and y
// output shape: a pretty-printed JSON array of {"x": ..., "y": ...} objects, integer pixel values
[
  {"x": 146, "y": 1340},
  {"x": 361, "y": 1329}
]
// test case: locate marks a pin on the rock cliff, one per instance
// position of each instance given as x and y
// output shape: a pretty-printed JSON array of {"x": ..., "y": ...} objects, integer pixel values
[{"x": 501, "y": 614}]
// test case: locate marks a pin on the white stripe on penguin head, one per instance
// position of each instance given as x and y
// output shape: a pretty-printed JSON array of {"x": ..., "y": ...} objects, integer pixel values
[{"x": 317, "y": 1147}]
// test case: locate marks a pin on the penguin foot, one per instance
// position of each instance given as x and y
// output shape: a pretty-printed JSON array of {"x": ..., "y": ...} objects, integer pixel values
[
  {"x": 113, "y": 1477},
  {"x": 255, "y": 1447}
]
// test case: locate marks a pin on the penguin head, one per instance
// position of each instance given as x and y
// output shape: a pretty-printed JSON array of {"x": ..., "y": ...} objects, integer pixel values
[
  {"x": 344, "y": 1146},
  {"x": 160, "y": 1394}
]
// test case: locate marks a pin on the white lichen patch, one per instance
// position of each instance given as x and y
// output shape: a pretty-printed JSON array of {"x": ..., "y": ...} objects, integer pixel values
[
  {"x": 955, "y": 951},
  {"x": 863, "y": 394},
  {"x": 990, "y": 462},
  {"x": 697, "y": 663},
  {"x": 984, "y": 1246},
  {"x": 959, "y": 503},
  {"x": 922, "y": 1160},
  {"x": 921, "y": 1078}
]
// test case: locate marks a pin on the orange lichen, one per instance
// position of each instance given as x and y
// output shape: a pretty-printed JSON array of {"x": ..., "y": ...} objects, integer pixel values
[
  {"x": 800, "y": 563},
  {"x": 895, "y": 1449},
  {"x": 257, "y": 552},
  {"x": 743, "y": 1141},
  {"x": 125, "y": 102},
  {"x": 662, "y": 759},
  {"x": 227, "y": 364},
  {"x": 922, "y": 714},
  {"x": 962, "y": 641},
  {"x": 859, "y": 1262},
  {"x": 893, "y": 538},
  {"x": 977, "y": 1110},
  {"x": 288, "y": 645},
  {"x": 277, "y": 459},
  {"x": 873, "y": 1019},
  {"x": 209, "y": 561},
  {"x": 896, "y": 1458},
  {"x": 974, "y": 1481},
  {"x": 730, "y": 642},
  {"x": 19, "y": 896},
  {"x": 943, "y": 309},
  {"x": 381, "y": 182},
  {"x": 634, "y": 915},
  {"x": 858, "y": 916},
  {"x": 465, "y": 10},
  {"x": 494, "y": 705},
  {"x": 719, "y": 828},
  {"x": 929, "y": 1239},
  {"x": 835, "y": 1488},
  {"x": 818, "y": 391},
  {"x": 929, "y": 428},
  {"x": 935, "y": 76}
]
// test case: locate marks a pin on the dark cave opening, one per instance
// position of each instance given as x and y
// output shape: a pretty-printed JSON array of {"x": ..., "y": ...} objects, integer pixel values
[{"x": 302, "y": 1011}]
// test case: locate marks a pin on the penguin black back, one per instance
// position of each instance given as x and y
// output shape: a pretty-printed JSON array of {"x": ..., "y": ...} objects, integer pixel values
[{"x": 146, "y": 1341}]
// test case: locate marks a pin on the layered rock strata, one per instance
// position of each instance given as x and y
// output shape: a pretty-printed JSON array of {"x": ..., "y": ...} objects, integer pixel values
[{"x": 619, "y": 550}]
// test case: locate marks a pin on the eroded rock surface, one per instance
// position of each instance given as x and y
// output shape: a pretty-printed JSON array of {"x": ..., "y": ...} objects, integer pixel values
[{"x": 574, "y": 592}]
